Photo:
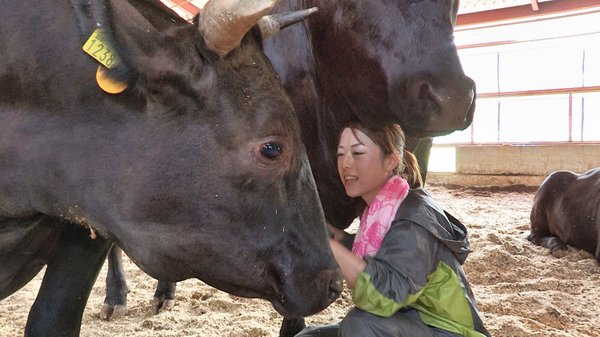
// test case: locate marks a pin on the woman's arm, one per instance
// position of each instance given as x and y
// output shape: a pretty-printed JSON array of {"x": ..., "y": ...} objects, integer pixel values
[{"x": 350, "y": 264}]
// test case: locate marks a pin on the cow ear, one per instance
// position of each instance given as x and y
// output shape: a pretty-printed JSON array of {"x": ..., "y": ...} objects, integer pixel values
[
  {"x": 159, "y": 15},
  {"x": 133, "y": 34}
]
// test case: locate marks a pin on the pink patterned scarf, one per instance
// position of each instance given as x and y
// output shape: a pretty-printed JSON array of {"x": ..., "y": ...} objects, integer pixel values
[{"x": 377, "y": 218}]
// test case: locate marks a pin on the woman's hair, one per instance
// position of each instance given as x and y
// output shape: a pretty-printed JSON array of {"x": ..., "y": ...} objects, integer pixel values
[{"x": 390, "y": 139}]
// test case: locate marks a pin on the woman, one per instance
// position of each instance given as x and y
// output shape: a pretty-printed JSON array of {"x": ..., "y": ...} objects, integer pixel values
[{"x": 404, "y": 267}]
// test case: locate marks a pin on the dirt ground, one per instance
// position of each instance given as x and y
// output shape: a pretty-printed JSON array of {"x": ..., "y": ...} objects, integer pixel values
[{"x": 521, "y": 289}]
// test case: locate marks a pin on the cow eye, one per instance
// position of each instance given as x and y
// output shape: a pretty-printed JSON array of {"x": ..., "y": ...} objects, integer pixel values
[{"x": 271, "y": 150}]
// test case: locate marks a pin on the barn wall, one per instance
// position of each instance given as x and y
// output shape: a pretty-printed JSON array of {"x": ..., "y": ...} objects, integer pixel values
[{"x": 503, "y": 165}]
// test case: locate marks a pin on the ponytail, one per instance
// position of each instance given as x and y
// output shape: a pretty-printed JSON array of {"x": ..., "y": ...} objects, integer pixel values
[{"x": 411, "y": 171}]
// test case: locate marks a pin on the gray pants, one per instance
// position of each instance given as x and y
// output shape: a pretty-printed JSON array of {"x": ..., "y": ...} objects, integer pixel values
[{"x": 358, "y": 323}]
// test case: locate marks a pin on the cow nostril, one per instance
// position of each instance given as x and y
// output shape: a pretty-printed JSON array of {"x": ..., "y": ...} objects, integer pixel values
[
  {"x": 332, "y": 295},
  {"x": 424, "y": 91},
  {"x": 336, "y": 286},
  {"x": 419, "y": 89}
]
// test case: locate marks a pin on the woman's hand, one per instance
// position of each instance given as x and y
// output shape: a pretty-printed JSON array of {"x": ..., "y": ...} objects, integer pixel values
[{"x": 350, "y": 264}]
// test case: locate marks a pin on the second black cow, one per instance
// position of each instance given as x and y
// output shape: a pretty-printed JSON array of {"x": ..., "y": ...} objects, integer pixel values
[{"x": 566, "y": 211}]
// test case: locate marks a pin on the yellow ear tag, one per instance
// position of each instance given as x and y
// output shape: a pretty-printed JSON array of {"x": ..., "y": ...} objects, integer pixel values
[
  {"x": 98, "y": 47},
  {"x": 108, "y": 84}
]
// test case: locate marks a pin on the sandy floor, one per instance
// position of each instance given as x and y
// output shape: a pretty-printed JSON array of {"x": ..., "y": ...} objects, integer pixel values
[{"x": 521, "y": 290}]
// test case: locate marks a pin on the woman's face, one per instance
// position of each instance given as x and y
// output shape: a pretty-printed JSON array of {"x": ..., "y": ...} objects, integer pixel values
[{"x": 362, "y": 166}]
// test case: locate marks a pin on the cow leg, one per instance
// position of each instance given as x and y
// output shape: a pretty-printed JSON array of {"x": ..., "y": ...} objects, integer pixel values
[
  {"x": 115, "y": 302},
  {"x": 556, "y": 246},
  {"x": 421, "y": 148},
  {"x": 291, "y": 326},
  {"x": 164, "y": 296},
  {"x": 70, "y": 274},
  {"x": 25, "y": 245},
  {"x": 540, "y": 233},
  {"x": 597, "y": 254}
]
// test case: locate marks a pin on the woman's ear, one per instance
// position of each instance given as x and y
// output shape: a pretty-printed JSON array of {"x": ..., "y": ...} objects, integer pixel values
[{"x": 392, "y": 161}]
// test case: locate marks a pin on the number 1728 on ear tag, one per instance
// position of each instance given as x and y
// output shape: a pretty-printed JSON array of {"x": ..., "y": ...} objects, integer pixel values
[{"x": 98, "y": 47}]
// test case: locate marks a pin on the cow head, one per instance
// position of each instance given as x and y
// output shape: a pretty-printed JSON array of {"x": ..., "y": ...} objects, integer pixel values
[
  {"x": 391, "y": 61},
  {"x": 223, "y": 189},
  {"x": 196, "y": 170}
]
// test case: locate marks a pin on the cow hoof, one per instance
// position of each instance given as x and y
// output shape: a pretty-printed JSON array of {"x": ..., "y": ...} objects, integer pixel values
[
  {"x": 559, "y": 253},
  {"x": 162, "y": 305},
  {"x": 112, "y": 312},
  {"x": 168, "y": 305}
]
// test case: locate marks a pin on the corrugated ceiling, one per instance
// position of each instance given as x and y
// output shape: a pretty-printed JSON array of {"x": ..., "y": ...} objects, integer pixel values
[
  {"x": 188, "y": 8},
  {"x": 470, "y": 6}
]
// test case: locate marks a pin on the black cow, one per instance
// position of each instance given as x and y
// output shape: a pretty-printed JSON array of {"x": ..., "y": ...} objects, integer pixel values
[
  {"x": 379, "y": 61},
  {"x": 196, "y": 168},
  {"x": 566, "y": 210}
]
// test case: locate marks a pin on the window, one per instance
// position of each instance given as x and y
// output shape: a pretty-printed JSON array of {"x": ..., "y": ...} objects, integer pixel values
[{"x": 536, "y": 82}]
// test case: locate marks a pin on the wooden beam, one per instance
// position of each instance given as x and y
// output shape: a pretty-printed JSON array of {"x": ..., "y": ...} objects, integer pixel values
[{"x": 540, "y": 92}]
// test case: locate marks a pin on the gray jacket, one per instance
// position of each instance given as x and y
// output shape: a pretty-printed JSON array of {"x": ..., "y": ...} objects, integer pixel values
[{"x": 419, "y": 266}]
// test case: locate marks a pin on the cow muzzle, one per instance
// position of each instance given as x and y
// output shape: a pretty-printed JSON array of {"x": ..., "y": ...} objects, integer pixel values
[
  {"x": 436, "y": 110},
  {"x": 304, "y": 297}
]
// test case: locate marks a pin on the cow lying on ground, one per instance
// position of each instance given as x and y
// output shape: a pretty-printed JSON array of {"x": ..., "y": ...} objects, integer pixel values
[
  {"x": 566, "y": 211},
  {"x": 193, "y": 163}
]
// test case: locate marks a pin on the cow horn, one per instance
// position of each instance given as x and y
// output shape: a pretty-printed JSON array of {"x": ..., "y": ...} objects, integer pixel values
[
  {"x": 223, "y": 23},
  {"x": 271, "y": 24}
]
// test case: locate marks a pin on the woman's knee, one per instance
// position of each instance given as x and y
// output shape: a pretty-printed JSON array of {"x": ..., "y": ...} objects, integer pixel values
[
  {"x": 356, "y": 324},
  {"x": 359, "y": 323}
]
